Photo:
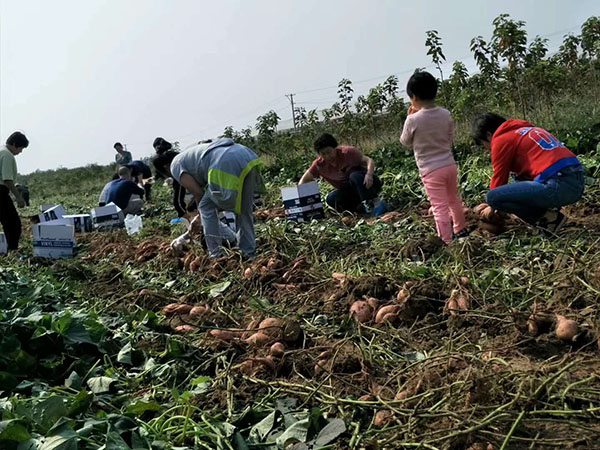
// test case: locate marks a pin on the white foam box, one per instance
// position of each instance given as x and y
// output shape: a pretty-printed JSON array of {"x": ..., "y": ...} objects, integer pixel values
[
  {"x": 53, "y": 240},
  {"x": 54, "y": 213},
  {"x": 3, "y": 244},
  {"x": 303, "y": 203},
  {"x": 107, "y": 217},
  {"x": 82, "y": 223}
]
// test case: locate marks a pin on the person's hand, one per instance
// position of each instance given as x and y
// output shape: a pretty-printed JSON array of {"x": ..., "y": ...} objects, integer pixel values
[
  {"x": 412, "y": 109},
  {"x": 368, "y": 180}
]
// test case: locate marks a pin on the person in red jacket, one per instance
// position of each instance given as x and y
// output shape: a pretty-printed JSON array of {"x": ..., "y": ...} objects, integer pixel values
[{"x": 548, "y": 174}]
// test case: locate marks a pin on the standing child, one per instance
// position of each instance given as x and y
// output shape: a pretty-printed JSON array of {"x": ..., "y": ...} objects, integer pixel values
[{"x": 429, "y": 130}]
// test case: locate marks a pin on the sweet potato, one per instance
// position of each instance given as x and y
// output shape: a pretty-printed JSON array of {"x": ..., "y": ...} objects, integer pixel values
[
  {"x": 259, "y": 339},
  {"x": 373, "y": 303},
  {"x": 361, "y": 311},
  {"x": 199, "y": 311},
  {"x": 277, "y": 350},
  {"x": 382, "y": 418},
  {"x": 185, "y": 329},
  {"x": 176, "y": 308},
  {"x": 225, "y": 335},
  {"x": 248, "y": 273},
  {"x": 272, "y": 327},
  {"x": 566, "y": 329},
  {"x": 251, "y": 329},
  {"x": 384, "y": 311},
  {"x": 273, "y": 264}
]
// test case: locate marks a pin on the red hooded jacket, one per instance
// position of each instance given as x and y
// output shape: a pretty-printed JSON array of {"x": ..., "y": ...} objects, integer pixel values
[{"x": 530, "y": 152}]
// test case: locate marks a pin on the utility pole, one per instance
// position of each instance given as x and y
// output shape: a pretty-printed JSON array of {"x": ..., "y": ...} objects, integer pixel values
[{"x": 291, "y": 98}]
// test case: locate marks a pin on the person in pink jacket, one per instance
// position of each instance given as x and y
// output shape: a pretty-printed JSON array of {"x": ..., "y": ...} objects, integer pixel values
[{"x": 429, "y": 130}]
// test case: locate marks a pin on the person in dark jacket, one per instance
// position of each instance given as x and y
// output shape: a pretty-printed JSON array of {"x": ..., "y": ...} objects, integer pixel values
[
  {"x": 141, "y": 174},
  {"x": 125, "y": 193}
]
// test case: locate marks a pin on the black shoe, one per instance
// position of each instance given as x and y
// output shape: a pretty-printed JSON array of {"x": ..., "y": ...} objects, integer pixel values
[
  {"x": 554, "y": 226},
  {"x": 461, "y": 235}
]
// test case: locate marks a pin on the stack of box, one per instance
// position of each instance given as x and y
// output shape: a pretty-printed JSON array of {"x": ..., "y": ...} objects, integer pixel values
[
  {"x": 107, "y": 217},
  {"x": 303, "y": 203}
]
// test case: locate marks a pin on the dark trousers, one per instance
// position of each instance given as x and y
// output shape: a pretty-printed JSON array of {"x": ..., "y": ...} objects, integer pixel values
[
  {"x": 9, "y": 218},
  {"x": 351, "y": 196},
  {"x": 148, "y": 191}
]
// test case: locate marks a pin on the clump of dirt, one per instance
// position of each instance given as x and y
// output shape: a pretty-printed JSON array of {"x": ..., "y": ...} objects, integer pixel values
[{"x": 422, "y": 249}]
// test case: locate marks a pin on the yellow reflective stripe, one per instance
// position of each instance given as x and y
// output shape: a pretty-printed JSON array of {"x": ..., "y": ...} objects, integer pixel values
[
  {"x": 251, "y": 165},
  {"x": 224, "y": 179}
]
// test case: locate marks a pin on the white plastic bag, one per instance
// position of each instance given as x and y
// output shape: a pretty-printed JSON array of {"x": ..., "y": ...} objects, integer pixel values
[{"x": 133, "y": 223}]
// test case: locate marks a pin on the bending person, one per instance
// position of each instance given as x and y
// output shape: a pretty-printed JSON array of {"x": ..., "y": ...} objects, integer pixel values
[
  {"x": 125, "y": 193},
  {"x": 352, "y": 175},
  {"x": 222, "y": 177},
  {"x": 549, "y": 175},
  {"x": 141, "y": 174}
]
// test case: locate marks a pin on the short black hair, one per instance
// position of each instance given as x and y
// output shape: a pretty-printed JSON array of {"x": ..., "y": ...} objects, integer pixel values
[
  {"x": 422, "y": 85},
  {"x": 484, "y": 124},
  {"x": 161, "y": 145},
  {"x": 118, "y": 144},
  {"x": 163, "y": 160},
  {"x": 18, "y": 140},
  {"x": 324, "y": 141}
]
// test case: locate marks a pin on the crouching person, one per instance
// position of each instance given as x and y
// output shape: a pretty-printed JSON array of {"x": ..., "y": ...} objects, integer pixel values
[
  {"x": 222, "y": 177},
  {"x": 549, "y": 175},
  {"x": 352, "y": 175},
  {"x": 125, "y": 193}
]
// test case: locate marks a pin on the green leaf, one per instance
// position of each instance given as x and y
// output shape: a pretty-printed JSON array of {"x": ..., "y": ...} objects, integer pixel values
[
  {"x": 7, "y": 381},
  {"x": 201, "y": 385},
  {"x": 13, "y": 430},
  {"x": 100, "y": 385},
  {"x": 124, "y": 356},
  {"x": 218, "y": 289},
  {"x": 49, "y": 411},
  {"x": 298, "y": 432},
  {"x": 63, "y": 438},
  {"x": 331, "y": 431},
  {"x": 115, "y": 442},
  {"x": 80, "y": 403},
  {"x": 139, "y": 407},
  {"x": 259, "y": 431},
  {"x": 239, "y": 443},
  {"x": 74, "y": 381}
]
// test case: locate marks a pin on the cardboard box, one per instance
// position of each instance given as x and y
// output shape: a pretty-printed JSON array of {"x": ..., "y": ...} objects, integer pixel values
[
  {"x": 81, "y": 222},
  {"x": 107, "y": 217},
  {"x": 3, "y": 244},
  {"x": 53, "y": 241},
  {"x": 228, "y": 218},
  {"x": 54, "y": 213},
  {"x": 303, "y": 203}
]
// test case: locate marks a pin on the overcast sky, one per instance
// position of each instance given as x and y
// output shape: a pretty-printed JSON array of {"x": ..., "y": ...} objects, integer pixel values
[{"x": 78, "y": 75}]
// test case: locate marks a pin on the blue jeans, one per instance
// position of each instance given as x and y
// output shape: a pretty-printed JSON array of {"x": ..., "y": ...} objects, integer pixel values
[
  {"x": 350, "y": 197},
  {"x": 530, "y": 200}
]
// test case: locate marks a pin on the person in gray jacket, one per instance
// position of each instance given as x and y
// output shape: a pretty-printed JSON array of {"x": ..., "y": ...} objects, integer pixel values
[{"x": 222, "y": 176}]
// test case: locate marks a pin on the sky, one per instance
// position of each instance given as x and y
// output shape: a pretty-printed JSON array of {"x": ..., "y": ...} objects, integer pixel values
[{"x": 77, "y": 76}]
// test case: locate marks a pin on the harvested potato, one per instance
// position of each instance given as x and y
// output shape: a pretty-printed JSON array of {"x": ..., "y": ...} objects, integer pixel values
[
  {"x": 361, "y": 311},
  {"x": 384, "y": 311},
  {"x": 566, "y": 329},
  {"x": 176, "y": 308}
]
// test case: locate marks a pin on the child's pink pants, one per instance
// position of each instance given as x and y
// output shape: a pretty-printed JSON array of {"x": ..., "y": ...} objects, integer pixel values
[{"x": 441, "y": 186}]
